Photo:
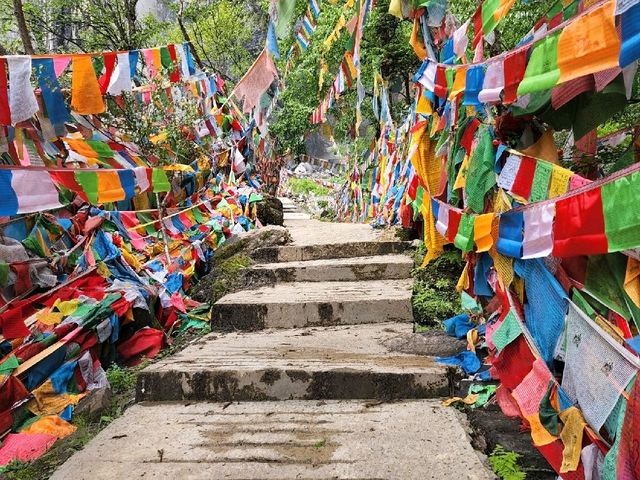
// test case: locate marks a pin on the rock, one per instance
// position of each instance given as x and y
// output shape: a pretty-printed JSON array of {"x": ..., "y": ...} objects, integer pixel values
[
  {"x": 246, "y": 243},
  {"x": 304, "y": 168},
  {"x": 94, "y": 404},
  {"x": 270, "y": 211},
  {"x": 434, "y": 343},
  {"x": 226, "y": 268}
]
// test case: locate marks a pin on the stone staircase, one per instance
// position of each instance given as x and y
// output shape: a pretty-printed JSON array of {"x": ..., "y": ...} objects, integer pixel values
[{"x": 299, "y": 385}]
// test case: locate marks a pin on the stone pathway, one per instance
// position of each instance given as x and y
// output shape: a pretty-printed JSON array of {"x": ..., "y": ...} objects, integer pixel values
[{"x": 313, "y": 381}]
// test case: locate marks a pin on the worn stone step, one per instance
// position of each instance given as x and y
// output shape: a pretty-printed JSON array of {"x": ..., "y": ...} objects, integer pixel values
[
  {"x": 296, "y": 215},
  {"x": 353, "y": 440},
  {"x": 382, "y": 267},
  {"x": 305, "y": 304},
  {"x": 298, "y": 253},
  {"x": 357, "y": 362}
]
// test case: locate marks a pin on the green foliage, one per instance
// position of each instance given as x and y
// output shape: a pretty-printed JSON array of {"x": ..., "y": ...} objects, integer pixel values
[
  {"x": 385, "y": 47},
  {"x": 121, "y": 379},
  {"x": 228, "y": 34},
  {"x": 173, "y": 118},
  {"x": 306, "y": 186},
  {"x": 519, "y": 21},
  {"x": 434, "y": 295},
  {"x": 505, "y": 464}
]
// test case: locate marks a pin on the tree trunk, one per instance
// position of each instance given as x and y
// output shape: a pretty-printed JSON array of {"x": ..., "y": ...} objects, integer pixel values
[
  {"x": 187, "y": 37},
  {"x": 23, "y": 28},
  {"x": 131, "y": 17}
]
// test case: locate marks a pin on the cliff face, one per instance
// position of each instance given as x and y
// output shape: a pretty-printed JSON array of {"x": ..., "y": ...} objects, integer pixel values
[{"x": 158, "y": 8}]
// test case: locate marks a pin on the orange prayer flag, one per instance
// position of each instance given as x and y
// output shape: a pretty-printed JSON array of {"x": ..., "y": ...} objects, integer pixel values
[
  {"x": 81, "y": 147},
  {"x": 415, "y": 41},
  {"x": 109, "y": 187},
  {"x": 503, "y": 9},
  {"x": 482, "y": 232},
  {"x": 589, "y": 45},
  {"x": 459, "y": 82},
  {"x": 86, "y": 98}
]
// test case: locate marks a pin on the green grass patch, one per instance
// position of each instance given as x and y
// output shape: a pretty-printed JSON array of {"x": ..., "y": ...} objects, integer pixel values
[{"x": 306, "y": 186}]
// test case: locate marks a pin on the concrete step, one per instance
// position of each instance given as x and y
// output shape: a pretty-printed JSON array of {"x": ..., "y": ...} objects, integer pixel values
[
  {"x": 306, "y": 304},
  {"x": 358, "y": 362},
  {"x": 296, "y": 215},
  {"x": 353, "y": 440},
  {"x": 298, "y": 253},
  {"x": 384, "y": 267}
]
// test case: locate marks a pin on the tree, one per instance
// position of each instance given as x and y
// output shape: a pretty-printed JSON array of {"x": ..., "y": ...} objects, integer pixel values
[{"x": 18, "y": 9}]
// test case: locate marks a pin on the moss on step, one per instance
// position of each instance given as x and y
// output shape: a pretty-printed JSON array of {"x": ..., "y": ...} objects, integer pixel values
[{"x": 434, "y": 290}]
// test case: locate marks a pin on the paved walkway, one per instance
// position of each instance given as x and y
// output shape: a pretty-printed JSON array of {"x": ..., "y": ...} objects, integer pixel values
[{"x": 311, "y": 381}]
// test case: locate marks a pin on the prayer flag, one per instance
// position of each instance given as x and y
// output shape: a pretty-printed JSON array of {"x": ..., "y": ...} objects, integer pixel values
[
  {"x": 86, "y": 98},
  {"x": 590, "y": 44}
]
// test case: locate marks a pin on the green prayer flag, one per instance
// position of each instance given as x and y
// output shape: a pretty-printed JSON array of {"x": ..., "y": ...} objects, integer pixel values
[
  {"x": 549, "y": 417},
  {"x": 159, "y": 181},
  {"x": 89, "y": 183},
  {"x": 542, "y": 70},
  {"x": 9, "y": 365},
  {"x": 417, "y": 203},
  {"x": 255, "y": 197},
  {"x": 197, "y": 214},
  {"x": 469, "y": 304},
  {"x": 484, "y": 392},
  {"x": 489, "y": 23},
  {"x": 4, "y": 274},
  {"x": 101, "y": 148},
  {"x": 165, "y": 58},
  {"x": 482, "y": 177},
  {"x": 286, "y": 10},
  {"x": 582, "y": 303},
  {"x": 610, "y": 467},
  {"x": 555, "y": 9},
  {"x": 464, "y": 237},
  {"x": 571, "y": 10},
  {"x": 605, "y": 280},
  {"x": 541, "y": 180},
  {"x": 450, "y": 75},
  {"x": 507, "y": 332},
  {"x": 621, "y": 215}
]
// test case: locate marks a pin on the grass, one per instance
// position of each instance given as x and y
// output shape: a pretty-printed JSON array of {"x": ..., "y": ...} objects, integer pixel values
[
  {"x": 505, "y": 464},
  {"x": 223, "y": 278},
  {"x": 306, "y": 186},
  {"x": 434, "y": 290}
]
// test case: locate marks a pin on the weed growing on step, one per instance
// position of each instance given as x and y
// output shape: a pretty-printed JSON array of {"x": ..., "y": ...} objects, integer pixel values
[
  {"x": 121, "y": 379},
  {"x": 505, "y": 464},
  {"x": 434, "y": 289}
]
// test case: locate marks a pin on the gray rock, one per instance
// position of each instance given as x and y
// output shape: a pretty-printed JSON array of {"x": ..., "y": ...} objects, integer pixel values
[
  {"x": 94, "y": 404},
  {"x": 434, "y": 343},
  {"x": 270, "y": 211}
]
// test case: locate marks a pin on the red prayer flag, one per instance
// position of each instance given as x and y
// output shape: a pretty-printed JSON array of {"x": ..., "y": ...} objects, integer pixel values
[
  {"x": 454, "y": 223},
  {"x": 524, "y": 178},
  {"x": 515, "y": 65},
  {"x": 5, "y": 112},
  {"x": 109, "y": 66},
  {"x": 579, "y": 226}
]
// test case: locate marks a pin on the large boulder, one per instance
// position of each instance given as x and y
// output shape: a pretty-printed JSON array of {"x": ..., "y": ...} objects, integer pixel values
[
  {"x": 230, "y": 262},
  {"x": 270, "y": 211}
]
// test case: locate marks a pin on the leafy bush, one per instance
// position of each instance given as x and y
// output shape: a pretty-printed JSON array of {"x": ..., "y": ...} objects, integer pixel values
[{"x": 505, "y": 464}]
